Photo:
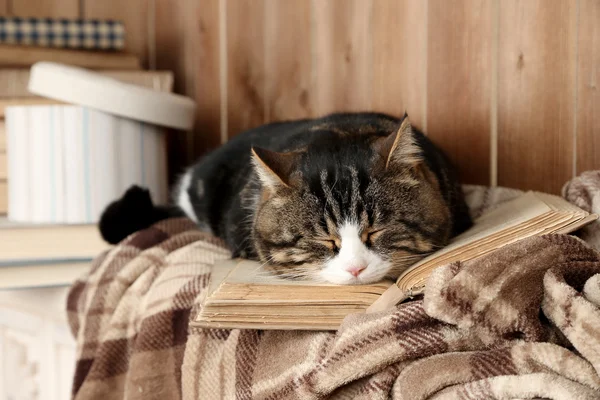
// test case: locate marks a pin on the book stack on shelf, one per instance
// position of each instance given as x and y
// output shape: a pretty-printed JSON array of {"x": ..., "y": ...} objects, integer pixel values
[
  {"x": 94, "y": 44},
  {"x": 80, "y": 121},
  {"x": 46, "y": 255}
]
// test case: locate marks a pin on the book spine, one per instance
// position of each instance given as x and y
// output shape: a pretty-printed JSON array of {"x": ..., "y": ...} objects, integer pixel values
[
  {"x": 74, "y": 164},
  {"x": 40, "y": 172},
  {"x": 155, "y": 163},
  {"x": 130, "y": 149},
  {"x": 57, "y": 164},
  {"x": 90, "y": 34},
  {"x": 103, "y": 162},
  {"x": 14, "y": 82},
  {"x": 17, "y": 56},
  {"x": 17, "y": 132}
]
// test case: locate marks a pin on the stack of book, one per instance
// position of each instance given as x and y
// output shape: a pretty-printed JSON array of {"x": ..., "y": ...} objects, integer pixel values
[
  {"x": 13, "y": 92},
  {"x": 46, "y": 254},
  {"x": 94, "y": 44}
]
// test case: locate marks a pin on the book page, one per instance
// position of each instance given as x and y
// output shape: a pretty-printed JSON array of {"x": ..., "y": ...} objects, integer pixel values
[
  {"x": 508, "y": 215},
  {"x": 253, "y": 272}
]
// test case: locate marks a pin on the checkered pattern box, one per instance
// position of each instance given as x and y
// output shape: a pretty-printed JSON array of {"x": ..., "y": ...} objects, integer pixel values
[{"x": 63, "y": 33}]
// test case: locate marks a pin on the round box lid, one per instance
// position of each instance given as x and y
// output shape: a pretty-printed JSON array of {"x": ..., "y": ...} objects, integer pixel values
[{"x": 87, "y": 88}]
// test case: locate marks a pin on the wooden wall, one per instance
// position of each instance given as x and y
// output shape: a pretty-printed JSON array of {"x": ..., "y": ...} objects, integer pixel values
[{"x": 509, "y": 88}]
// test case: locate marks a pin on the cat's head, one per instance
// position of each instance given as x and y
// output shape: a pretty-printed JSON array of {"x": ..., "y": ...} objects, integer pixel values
[{"x": 349, "y": 208}]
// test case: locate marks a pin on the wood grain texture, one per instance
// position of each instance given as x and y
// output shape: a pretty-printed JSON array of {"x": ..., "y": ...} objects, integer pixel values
[
  {"x": 588, "y": 87},
  {"x": 245, "y": 65},
  {"x": 133, "y": 14},
  {"x": 3, "y": 166},
  {"x": 4, "y": 8},
  {"x": 400, "y": 58},
  {"x": 536, "y": 93},
  {"x": 203, "y": 46},
  {"x": 45, "y": 8},
  {"x": 343, "y": 55},
  {"x": 288, "y": 60},
  {"x": 3, "y": 197},
  {"x": 2, "y": 135},
  {"x": 170, "y": 38},
  {"x": 458, "y": 83}
]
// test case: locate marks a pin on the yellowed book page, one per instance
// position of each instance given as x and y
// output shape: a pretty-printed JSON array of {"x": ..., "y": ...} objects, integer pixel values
[
  {"x": 512, "y": 213},
  {"x": 578, "y": 224},
  {"x": 282, "y": 326},
  {"x": 530, "y": 214},
  {"x": 295, "y": 311},
  {"x": 221, "y": 270},
  {"x": 417, "y": 277},
  {"x": 557, "y": 203},
  {"x": 252, "y": 273},
  {"x": 509, "y": 215},
  {"x": 547, "y": 222}
]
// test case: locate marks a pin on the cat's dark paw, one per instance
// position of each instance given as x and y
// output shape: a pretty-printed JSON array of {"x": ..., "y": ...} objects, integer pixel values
[{"x": 132, "y": 212}]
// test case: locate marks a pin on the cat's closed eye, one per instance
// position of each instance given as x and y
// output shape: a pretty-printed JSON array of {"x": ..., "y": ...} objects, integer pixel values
[
  {"x": 369, "y": 236},
  {"x": 330, "y": 244}
]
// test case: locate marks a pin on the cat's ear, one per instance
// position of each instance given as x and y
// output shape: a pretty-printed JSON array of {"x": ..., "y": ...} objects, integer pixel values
[
  {"x": 273, "y": 168},
  {"x": 400, "y": 146}
]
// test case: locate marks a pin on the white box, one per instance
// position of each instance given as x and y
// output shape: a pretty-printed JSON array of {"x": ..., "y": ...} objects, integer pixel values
[{"x": 67, "y": 163}]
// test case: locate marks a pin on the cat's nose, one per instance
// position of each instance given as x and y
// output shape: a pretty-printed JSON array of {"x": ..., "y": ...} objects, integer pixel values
[{"x": 356, "y": 270}]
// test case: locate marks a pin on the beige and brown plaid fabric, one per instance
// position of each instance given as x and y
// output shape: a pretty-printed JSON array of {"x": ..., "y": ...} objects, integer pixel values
[{"x": 523, "y": 322}]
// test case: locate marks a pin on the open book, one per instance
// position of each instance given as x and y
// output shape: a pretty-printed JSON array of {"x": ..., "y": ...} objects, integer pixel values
[{"x": 240, "y": 297}]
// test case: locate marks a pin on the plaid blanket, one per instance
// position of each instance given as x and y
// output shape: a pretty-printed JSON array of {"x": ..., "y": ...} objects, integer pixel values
[{"x": 522, "y": 322}]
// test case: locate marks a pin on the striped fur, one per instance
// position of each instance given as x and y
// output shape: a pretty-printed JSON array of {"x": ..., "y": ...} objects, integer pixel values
[{"x": 348, "y": 198}]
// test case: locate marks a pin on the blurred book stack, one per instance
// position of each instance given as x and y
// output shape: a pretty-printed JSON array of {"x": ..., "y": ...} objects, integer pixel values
[
  {"x": 44, "y": 255},
  {"x": 66, "y": 132},
  {"x": 94, "y": 44}
]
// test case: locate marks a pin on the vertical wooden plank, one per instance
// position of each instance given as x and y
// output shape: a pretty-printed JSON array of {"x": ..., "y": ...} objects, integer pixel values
[
  {"x": 343, "y": 55},
  {"x": 45, "y": 8},
  {"x": 588, "y": 87},
  {"x": 169, "y": 34},
  {"x": 287, "y": 60},
  {"x": 536, "y": 93},
  {"x": 245, "y": 64},
  {"x": 169, "y": 37},
  {"x": 458, "y": 83},
  {"x": 203, "y": 47},
  {"x": 133, "y": 14},
  {"x": 171, "y": 26},
  {"x": 400, "y": 58},
  {"x": 3, "y": 7}
]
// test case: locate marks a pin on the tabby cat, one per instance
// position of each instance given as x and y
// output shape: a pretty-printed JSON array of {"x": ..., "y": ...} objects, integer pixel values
[{"x": 349, "y": 198}]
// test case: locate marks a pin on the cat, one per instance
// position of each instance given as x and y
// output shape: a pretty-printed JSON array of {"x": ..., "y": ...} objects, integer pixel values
[{"x": 348, "y": 198}]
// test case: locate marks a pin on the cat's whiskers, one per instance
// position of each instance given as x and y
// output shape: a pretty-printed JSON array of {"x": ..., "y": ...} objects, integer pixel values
[{"x": 268, "y": 260}]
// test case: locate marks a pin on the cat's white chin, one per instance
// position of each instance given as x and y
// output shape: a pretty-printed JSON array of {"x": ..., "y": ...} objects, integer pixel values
[
  {"x": 371, "y": 274},
  {"x": 368, "y": 266}
]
